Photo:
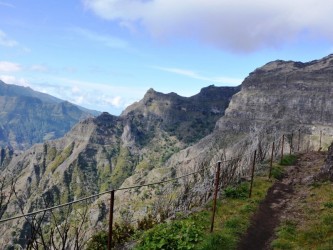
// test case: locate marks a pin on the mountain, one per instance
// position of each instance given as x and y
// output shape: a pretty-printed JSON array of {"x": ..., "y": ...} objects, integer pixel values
[
  {"x": 28, "y": 117},
  {"x": 279, "y": 97},
  {"x": 102, "y": 152},
  {"x": 166, "y": 135}
]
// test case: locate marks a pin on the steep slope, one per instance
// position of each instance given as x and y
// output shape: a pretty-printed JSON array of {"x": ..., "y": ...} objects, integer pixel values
[
  {"x": 28, "y": 117},
  {"x": 101, "y": 153}
]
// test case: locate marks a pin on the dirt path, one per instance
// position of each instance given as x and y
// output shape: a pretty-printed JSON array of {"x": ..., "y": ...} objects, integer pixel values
[{"x": 282, "y": 201}]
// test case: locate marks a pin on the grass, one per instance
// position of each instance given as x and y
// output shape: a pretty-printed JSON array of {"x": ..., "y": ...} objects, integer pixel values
[
  {"x": 315, "y": 230},
  {"x": 288, "y": 160},
  {"x": 232, "y": 219}
]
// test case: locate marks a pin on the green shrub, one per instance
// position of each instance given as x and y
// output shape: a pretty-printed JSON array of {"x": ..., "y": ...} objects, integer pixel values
[
  {"x": 288, "y": 160},
  {"x": 237, "y": 192},
  {"x": 175, "y": 235},
  {"x": 277, "y": 172},
  {"x": 329, "y": 204},
  {"x": 121, "y": 234},
  {"x": 98, "y": 241}
]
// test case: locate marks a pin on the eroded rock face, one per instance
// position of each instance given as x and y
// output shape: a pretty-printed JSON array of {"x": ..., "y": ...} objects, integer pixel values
[
  {"x": 280, "y": 97},
  {"x": 284, "y": 92}
]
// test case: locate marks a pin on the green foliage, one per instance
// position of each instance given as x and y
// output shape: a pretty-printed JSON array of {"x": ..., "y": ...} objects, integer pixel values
[
  {"x": 123, "y": 168},
  {"x": 277, "y": 172},
  {"x": 237, "y": 192},
  {"x": 288, "y": 160},
  {"x": 59, "y": 159},
  {"x": 98, "y": 241},
  {"x": 147, "y": 222},
  {"x": 121, "y": 234},
  {"x": 51, "y": 154},
  {"x": 328, "y": 204},
  {"x": 216, "y": 241},
  {"x": 174, "y": 235}
]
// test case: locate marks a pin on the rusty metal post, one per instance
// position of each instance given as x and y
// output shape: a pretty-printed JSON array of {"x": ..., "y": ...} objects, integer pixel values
[
  {"x": 111, "y": 220},
  {"x": 299, "y": 139},
  {"x": 321, "y": 133},
  {"x": 291, "y": 143},
  {"x": 271, "y": 163},
  {"x": 282, "y": 149},
  {"x": 217, "y": 181},
  {"x": 252, "y": 172}
]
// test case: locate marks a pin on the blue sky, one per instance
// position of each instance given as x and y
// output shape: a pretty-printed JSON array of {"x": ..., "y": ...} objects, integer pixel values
[{"x": 105, "y": 54}]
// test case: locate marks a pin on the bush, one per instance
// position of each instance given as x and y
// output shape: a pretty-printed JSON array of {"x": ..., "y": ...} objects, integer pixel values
[
  {"x": 121, "y": 234},
  {"x": 288, "y": 160},
  {"x": 98, "y": 241},
  {"x": 175, "y": 235},
  {"x": 277, "y": 172},
  {"x": 238, "y": 192}
]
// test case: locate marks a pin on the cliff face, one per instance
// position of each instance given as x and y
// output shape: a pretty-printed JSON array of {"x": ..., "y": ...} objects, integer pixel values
[
  {"x": 284, "y": 92},
  {"x": 280, "y": 97}
]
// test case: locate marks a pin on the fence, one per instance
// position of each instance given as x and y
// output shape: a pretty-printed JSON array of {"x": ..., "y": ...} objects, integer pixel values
[{"x": 226, "y": 172}]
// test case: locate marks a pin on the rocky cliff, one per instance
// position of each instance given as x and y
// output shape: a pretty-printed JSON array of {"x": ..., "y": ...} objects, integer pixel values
[{"x": 279, "y": 97}]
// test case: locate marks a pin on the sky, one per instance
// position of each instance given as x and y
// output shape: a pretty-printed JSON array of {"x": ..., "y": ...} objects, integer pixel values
[{"x": 105, "y": 54}]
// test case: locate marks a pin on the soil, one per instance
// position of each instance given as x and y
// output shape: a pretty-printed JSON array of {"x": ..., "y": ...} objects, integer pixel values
[{"x": 282, "y": 201}]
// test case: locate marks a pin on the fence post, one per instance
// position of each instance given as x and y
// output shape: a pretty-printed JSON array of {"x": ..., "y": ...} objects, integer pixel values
[
  {"x": 271, "y": 163},
  {"x": 252, "y": 173},
  {"x": 282, "y": 149},
  {"x": 299, "y": 139},
  {"x": 321, "y": 133},
  {"x": 111, "y": 220},
  {"x": 291, "y": 142},
  {"x": 217, "y": 181}
]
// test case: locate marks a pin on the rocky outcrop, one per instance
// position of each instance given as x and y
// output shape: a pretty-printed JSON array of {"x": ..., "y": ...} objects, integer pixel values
[{"x": 187, "y": 118}]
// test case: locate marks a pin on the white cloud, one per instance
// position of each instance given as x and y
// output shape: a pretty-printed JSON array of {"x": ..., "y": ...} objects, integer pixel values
[
  {"x": 6, "y": 41},
  {"x": 14, "y": 80},
  {"x": 238, "y": 25},
  {"x": 109, "y": 41},
  {"x": 195, "y": 75},
  {"x": 9, "y": 67},
  {"x": 93, "y": 95},
  {"x": 114, "y": 101}
]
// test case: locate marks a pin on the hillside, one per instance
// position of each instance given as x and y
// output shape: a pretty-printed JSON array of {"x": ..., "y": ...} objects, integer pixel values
[
  {"x": 101, "y": 153},
  {"x": 28, "y": 117},
  {"x": 165, "y": 135}
]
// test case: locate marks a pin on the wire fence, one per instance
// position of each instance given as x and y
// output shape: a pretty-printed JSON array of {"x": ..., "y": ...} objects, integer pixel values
[{"x": 52, "y": 227}]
